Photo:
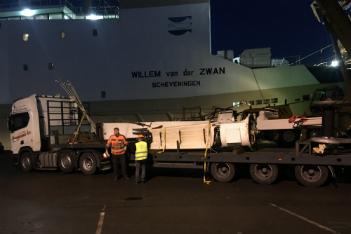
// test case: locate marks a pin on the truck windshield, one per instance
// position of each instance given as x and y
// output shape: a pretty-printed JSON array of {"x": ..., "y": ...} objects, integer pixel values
[{"x": 18, "y": 121}]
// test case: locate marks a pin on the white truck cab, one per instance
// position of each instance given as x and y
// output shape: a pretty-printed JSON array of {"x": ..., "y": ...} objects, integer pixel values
[
  {"x": 41, "y": 129},
  {"x": 23, "y": 124}
]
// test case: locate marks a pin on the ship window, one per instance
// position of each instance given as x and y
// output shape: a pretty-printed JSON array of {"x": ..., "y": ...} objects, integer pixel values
[
  {"x": 50, "y": 66},
  {"x": 236, "y": 104},
  {"x": 63, "y": 35},
  {"x": 274, "y": 100},
  {"x": 25, "y": 67},
  {"x": 306, "y": 97},
  {"x": 258, "y": 102},
  {"x": 55, "y": 16},
  {"x": 267, "y": 101},
  {"x": 251, "y": 102},
  {"x": 25, "y": 37},
  {"x": 27, "y": 18},
  {"x": 94, "y": 32},
  {"x": 18, "y": 121},
  {"x": 103, "y": 94},
  {"x": 41, "y": 17}
]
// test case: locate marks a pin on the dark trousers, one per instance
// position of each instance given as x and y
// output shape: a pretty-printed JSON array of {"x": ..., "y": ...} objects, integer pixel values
[
  {"x": 138, "y": 164},
  {"x": 122, "y": 160}
]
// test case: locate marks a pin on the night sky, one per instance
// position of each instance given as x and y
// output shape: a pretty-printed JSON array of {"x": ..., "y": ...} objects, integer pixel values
[{"x": 289, "y": 27}]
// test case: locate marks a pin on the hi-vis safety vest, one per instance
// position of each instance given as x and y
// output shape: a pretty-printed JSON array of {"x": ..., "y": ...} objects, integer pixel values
[
  {"x": 117, "y": 144},
  {"x": 141, "y": 150}
]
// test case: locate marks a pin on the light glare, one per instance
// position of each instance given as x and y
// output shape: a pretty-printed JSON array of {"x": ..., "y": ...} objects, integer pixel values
[
  {"x": 334, "y": 63},
  {"x": 94, "y": 17},
  {"x": 27, "y": 12}
]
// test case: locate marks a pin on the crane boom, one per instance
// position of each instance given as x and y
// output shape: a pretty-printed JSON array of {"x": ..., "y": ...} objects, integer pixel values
[
  {"x": 338, "y": 25},
  {"x": 336, "y": 21}
]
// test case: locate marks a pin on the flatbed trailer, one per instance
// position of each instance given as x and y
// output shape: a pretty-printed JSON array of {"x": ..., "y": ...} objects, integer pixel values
[
  {"x": 310, "y": 169},
  {"x": 289, "y": 156},
  {"x": 267, "y": 155}
]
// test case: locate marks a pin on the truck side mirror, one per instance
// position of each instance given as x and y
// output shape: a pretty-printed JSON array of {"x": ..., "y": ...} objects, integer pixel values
[{"x": 10, "y": 123}]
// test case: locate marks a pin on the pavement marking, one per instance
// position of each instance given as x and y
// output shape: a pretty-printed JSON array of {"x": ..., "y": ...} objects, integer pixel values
[
  {"x": 101, "y": 220},
  {"x": 305, "y": 219}
]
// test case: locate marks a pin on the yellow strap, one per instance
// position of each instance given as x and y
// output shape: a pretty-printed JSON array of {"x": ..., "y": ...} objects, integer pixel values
[
  {"x": 77, "y": 131},
  {"x": 205, "y": 163},
  {"x": 164, "y": 148}
]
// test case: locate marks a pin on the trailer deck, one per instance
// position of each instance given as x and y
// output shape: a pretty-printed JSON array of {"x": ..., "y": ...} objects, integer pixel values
[{"x": 264, "y": 155}]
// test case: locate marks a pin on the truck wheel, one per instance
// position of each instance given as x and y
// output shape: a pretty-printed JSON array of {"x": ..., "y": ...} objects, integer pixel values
[
  {"x": 88, "y": 164},
  {"x": 223, "y": 172},
  {"x": 264, "y": 173},
  {"x": 311, "y": 175},
  {"x": 65, "y": 162},
  {"x": 26, "y": 162}
]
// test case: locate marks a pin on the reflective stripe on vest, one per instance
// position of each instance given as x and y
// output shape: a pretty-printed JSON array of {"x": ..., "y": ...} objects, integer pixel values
[{"x": 141, "y": 150}]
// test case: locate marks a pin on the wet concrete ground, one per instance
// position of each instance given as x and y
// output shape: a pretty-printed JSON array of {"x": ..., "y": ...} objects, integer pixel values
[{"x": 172, "y": 201}]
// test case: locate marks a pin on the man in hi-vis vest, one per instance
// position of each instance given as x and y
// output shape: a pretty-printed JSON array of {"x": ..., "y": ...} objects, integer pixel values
[
  {"x": 141, "y": 153},
  {"x": 118, "y": 145}
]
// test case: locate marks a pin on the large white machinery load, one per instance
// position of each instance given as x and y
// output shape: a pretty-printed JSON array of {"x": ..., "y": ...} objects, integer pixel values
[{"x": 175, "y": 135}]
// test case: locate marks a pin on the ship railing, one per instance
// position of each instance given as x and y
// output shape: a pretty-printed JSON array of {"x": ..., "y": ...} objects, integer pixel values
[
  {"x": 293, "y": 60},
  {"x": 105, "y": 9},
  {"x": 38, "y": 3}
]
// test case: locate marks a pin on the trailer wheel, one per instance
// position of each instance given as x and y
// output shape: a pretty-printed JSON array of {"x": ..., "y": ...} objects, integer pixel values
[
  {"x": 223, "y": 172},
  {"x": 65, "y": 162},
  {"x": 26, "y": 162},
  {"x": 88, "y": 164},
  {"x": 311, "y": 175},
  {"x": 264, "y": 173}
]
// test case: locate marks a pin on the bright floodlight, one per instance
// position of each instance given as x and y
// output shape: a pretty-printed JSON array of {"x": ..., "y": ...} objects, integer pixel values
[
  {"x": 334, "y": 63},
  {"x": 94, "y": 17},
  {"x": 27, "y": 12}
]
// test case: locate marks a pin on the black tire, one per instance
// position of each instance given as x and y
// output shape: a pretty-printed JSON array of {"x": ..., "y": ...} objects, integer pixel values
[
  {"x": 65, "y": 162},
  {"x": 311, "y": 175},
  {"x": 264, "y": 173},
  {"x": 287, "y": 138},
  {"x": 223, "y": 172},
  {"x": 88, "y": 164},
  {"x": 315, "y": 133},
  {"x": 26, "y": 162}
]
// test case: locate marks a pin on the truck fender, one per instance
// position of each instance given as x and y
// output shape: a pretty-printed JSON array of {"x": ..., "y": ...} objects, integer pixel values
[
  {"x": 332, "y": 171},
  {"x": 96, "y": 154},
  {"x": 29, "y": 150}
]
